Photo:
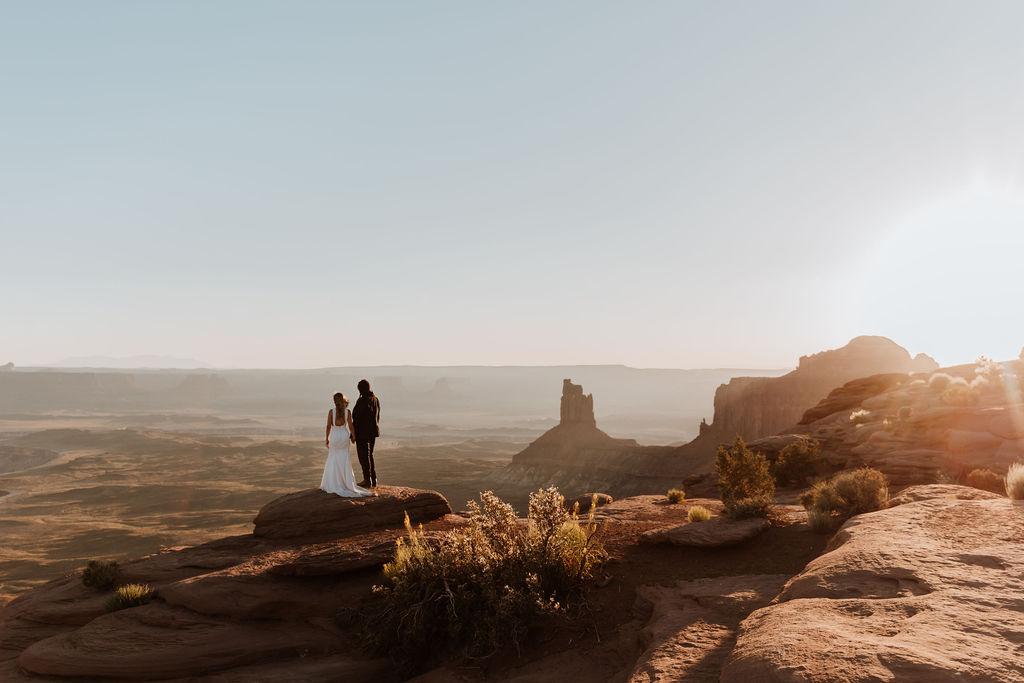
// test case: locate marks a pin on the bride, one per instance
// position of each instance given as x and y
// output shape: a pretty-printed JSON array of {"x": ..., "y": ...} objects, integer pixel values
[{"x": 338, "y": 477}]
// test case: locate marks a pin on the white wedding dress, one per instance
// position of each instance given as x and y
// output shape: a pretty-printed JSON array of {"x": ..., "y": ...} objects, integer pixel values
[{"x": 338, "y": 477}]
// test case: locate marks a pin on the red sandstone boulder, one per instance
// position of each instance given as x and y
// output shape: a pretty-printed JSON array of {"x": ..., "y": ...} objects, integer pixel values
[
  {"x": 928, "y": 591},
  {"x": 313, "y": 512}
]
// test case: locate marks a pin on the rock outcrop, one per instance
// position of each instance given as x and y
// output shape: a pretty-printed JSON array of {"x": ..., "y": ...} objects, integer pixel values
[
  {"x": 919, "y": 430},
  {"x": 753, "y": 407},
  {"x": 714, "y": 533},
  {"x": 577, "y": 408},
  {"x": 225, "y": 606},
  {"x": 928, "y": 591}
]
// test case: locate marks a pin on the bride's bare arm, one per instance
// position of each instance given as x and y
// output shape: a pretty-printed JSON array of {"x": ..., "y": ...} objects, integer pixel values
[
  {"x": 327, "y": 438},
  {"x": 351, "y": 429}
]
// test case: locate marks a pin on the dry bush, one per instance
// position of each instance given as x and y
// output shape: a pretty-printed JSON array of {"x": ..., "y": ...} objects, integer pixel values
[
  {"x": 960, "y": 393},
  {"x": 988, "y": 374},
  {"x": 1015, "y": 481},
  {"x": 484, "y": 585},
  {"x": 745, "y": 480},
  {"x": 100, "y": 575},
  {"x": 698, "y": 513},
  {"x": 798, "y": 462},
  {"x": 987, "y": 480},
  {"x": 676, "y": 495},
  {"x": 861, "y": 416},
  {"x": 849, "y": 493},
  {"x": 939, "y": 381},
  {"x": 129, "y": 595}
]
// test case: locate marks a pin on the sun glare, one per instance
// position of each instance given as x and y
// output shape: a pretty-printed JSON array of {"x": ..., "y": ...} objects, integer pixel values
[{"x": 947, "y": 281}]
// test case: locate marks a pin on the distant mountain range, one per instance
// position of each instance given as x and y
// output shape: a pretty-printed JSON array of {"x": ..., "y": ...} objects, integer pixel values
[{"x": 132, "y": 362}]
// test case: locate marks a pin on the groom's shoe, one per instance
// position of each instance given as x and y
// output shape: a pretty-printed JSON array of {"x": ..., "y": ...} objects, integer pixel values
[
  {"x": 373, "y": 484},
  {"x": 363, "y": 483}
]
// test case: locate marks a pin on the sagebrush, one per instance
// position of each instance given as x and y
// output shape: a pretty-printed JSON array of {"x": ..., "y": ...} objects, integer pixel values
[
  {"x": 100, "y": 575},
  {"x": 745, "y": 481},
  {"x": 987, "y": 480},
  {"x": 676, "y": 495},
  {"x": 797, "y": 463},
  {"x": 485, "y": 585},
  {"x": 848, "y": 494}
]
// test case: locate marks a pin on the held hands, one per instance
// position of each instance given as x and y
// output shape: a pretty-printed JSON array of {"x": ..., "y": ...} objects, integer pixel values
[
  {"x": 328, "y": 443},
  {"x": 352, "y": 438}
]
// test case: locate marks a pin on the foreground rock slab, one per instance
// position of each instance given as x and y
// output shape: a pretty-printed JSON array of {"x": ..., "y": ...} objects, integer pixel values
[
  {"x": 714, "y": 533},
  {"x": 317, "y": 513},
  {"x": 928, "y": 591}
]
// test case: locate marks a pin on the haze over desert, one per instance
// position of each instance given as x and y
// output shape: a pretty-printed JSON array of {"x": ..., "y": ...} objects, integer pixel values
[{"x": 455, "y": 342}]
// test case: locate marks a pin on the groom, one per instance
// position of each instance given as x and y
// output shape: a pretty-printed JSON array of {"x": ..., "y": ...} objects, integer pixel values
[{"x": 366, "y": 428}]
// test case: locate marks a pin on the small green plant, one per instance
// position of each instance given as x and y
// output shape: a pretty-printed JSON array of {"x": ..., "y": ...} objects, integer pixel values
[
  {"x": 129, "y": 595},
  {"x": 745, "y": 481},
  {"x": 484, "y": 585},
  {"x": 100, "y": 575},
  {"x": 849, "y": 493},
  {"x": 698, "y": 513},
  {"x": 1015, "y": 481},
  {"x": 676, "y": 495},
  {"x": 797, "y": 463},
  {"x": 820, "y": 521},
  {"x": 987, "y": 480}
]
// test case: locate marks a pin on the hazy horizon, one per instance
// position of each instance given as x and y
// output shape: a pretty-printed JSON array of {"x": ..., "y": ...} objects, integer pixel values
[{"x": 665, "y": 185}]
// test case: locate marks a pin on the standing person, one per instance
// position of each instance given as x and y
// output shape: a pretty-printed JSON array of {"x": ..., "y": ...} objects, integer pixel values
[{"x": 366, "y": 428}]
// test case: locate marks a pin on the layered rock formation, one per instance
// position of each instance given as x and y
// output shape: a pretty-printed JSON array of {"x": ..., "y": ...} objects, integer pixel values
[
  {"x": 928, "y": 591},
  {"x": 923, "y": 430},
  {"x": 753, "y": 407},
  {"x": 224, "y": 606}
]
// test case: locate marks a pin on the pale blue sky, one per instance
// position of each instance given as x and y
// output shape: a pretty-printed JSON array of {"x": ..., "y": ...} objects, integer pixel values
[{"x": 673, "y": 184}]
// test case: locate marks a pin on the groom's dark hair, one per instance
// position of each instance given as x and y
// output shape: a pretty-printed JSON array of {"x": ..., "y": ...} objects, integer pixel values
[{"x": 364, "y": 388}]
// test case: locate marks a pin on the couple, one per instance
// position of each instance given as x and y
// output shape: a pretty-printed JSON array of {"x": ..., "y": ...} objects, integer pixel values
[{"x": 360, "y": 426}]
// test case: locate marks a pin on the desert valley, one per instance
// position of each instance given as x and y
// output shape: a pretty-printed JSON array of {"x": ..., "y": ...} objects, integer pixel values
[{"x": 168, "y": 484}]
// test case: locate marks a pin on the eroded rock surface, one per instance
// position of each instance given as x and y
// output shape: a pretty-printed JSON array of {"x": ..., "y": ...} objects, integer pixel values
[
  {"x": 717, "y": 532},
  {"x": 929, "y": 591},
  {"x": 317, "y": 513}
]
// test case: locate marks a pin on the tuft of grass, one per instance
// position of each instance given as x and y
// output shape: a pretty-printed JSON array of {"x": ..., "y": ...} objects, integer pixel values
[
  {"x": 820, "y": 521},
  {"x": 100, "y": 575},
  {"x": 745, "y": 481},
  {"x": 482, "y": 586},
  {"x": 698, "y": 513},
  {"x": 1015, "y": 481},
  {"x": 129, "y": 595},
  {"x": 676, "y": 495},
  {"x": 987, "y": 480}
]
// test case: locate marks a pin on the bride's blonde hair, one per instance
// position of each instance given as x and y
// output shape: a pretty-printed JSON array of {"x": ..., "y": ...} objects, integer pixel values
[{"x": 340, "y": 402}]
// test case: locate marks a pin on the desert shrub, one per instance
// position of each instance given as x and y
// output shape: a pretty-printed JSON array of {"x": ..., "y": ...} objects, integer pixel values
[
  {"x": 988, "y": 374},
  {"x": 797, "y": 463},
  {"x": 939, "y": 381},
  {"x": 959, "y": 393},
  {"x": 676, "y": 495},
  {"x": 1015, "y": 481},
  {"x": 745, "y": 481},
  {"x": 986, "y": 480},
  {"x": 100, "y": 575},
  {"x": 820, "y": 521},
  {"x": 849, "y": 493},
  {"x": 698, "y": 513},
  {"x": 483, "y": 585},
  {"x": 859, "y": 417},
  {"x": 129, "y": 595}
]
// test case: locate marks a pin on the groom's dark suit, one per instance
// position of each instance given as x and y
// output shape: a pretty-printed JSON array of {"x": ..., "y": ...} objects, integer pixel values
[{"x": 366, "y": 427}]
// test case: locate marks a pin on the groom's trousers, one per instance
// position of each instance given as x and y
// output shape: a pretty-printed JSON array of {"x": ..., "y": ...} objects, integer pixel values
[{"x": 364, "y": 448}]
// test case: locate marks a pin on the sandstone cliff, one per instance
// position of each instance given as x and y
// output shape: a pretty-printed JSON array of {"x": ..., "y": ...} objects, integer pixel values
[{"x": 753, "y": 407}]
